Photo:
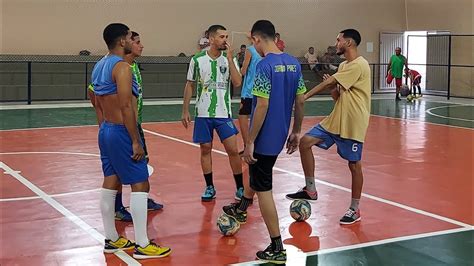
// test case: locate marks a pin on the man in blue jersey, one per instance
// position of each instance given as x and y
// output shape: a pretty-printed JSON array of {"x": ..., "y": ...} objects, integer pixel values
[
  {"x": 279, "y": 86},
  {"x": 121, "y": 213},
  {"x": 121, "y": 150}
]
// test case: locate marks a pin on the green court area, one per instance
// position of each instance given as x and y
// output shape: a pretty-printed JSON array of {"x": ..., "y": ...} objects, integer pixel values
[
  {"x": 420, "y": 110},
  {"x": 450, "y": 249}
]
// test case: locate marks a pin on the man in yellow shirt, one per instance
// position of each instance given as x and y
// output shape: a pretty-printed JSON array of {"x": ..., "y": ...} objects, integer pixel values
[{"x": 347, "y": 124}]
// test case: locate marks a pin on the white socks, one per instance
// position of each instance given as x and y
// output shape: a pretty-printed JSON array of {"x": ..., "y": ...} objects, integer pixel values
[
  {"x": 354, "y": 204},
  {"x": 107, "y": 208},
  {"x": 138, "y": 209},
  {"x": 310, "y": 184}
]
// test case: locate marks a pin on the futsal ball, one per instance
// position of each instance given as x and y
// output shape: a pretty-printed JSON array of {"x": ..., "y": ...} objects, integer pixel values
[
  {"x": 300, "y": 210},
  {"x": 227, "y": 225},
  {"x": 410, "y": 98},
  {"x": 404, "y": 91}
]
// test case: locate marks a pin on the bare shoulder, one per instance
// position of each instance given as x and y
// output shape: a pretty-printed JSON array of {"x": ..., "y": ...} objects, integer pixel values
[
  {"x": 122, "y": 65},
  {"x": 121, "y": 68}
]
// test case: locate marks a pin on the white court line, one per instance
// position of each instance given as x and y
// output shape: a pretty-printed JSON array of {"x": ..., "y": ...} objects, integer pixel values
[
  {"x": 150, "y": 171},
  {"x": 235, "y": 101},
  {"x": 68, "y": 214},
  {"x": 370, "y": 244},
  {"x": 177, "y": 121},
  {"x": 40, "y": 128},
  {"x": 87, "y": 104},
  {"x": 429, "y": 111},
  {"x": 422, "y": 122},
  {"x": 19, "y": 198},
  {"x": 51, "y": 195},
  {"x": 49, "y": 152},
  {"x": 389, "y": 202},
  {"x": 179, "y": 101}
]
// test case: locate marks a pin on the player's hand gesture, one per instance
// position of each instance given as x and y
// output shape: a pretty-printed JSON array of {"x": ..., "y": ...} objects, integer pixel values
[
  {"x": 248, "y": 154},
  {"x": 138, "y": 152},
  {"x": 326, "y": 76},
  {"x": 292, "y": 143},
  {"x": 229, "y": 51},
  {"x": 186, "y": 119}
]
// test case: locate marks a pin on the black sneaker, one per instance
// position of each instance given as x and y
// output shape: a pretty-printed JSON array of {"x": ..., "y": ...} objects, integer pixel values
[
  {"x": 231, "y": 210},
  {"x": 397, "y": 98},
  {"x": 272, "y": 256},
  {"x": 351, "y": 216},
  {"x": 303, "y": 194}
]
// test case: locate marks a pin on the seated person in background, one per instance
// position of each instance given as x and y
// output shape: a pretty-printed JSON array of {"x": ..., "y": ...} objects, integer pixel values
[
  {"x": 311, "y": 58},
  {"x": 329, "y": 62}
]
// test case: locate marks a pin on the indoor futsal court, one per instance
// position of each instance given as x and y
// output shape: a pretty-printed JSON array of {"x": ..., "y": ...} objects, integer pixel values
[{"x": 417, "y": 197}]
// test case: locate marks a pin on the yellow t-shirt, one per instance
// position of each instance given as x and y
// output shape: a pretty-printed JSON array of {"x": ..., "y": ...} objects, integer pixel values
[{"x": 350, "y": 116}]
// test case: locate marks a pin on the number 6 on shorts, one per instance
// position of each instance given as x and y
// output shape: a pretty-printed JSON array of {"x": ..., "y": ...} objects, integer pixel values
[{"x": 354, "y": 147}]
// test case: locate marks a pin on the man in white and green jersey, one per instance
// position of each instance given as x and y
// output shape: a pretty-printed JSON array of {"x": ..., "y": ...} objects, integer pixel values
[{"x": 212, "y": 71}]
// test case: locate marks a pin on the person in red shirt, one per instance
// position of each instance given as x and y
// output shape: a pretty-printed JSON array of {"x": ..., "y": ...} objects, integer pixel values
[
  {"x": 415, "y": 80},
  {"x": 279, "y": 42}
]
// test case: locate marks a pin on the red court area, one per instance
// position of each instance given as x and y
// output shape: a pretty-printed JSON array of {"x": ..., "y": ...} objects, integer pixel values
[{"x": 424, "y": 166}]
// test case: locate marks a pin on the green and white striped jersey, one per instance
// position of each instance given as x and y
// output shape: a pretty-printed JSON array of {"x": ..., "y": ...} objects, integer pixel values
[{"x": 212, "y": 79}]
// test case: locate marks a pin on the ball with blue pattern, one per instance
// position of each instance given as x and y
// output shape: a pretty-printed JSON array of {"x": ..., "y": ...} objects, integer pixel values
[
  {"x": 227, "y": 225},
  {"x": 300, "y": 210}
]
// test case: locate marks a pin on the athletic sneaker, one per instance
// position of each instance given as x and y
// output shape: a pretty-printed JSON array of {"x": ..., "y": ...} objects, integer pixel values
[
  {"x": 123, "y": 215},
  {"x": 231, "y": 210},
  {"x": 154, "y": 206},
  {"x": 269, "y": 255},
  {"x": 120, "y": 244},
  {"x": 209, "y": 194},
  {"x": 351, "y": 216},
  {"x": 151, "y": 251},
  {"x": 239, "y": 193},
  {"x": 303, "y": 194}
]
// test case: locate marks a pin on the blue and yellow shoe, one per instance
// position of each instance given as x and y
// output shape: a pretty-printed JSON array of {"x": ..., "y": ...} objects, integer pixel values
[
  {"x": 239, "y": 193},
  {"x": 151, "y": 251},
  {"x": 209, "y": 194},
  {"x": 154, "y": 206},
  {"x": 123, "y": 215},
  {"x": 120, "y": 244}
]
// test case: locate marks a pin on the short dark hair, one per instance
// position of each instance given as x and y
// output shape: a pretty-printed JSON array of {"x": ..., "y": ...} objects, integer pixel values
[
  {"x": 353, "y": 34},
  {"x": 264, "y": 28},
  {"x": 135, "y": 34},
  {"x": 243, "y": 46},
  {"x": 113, "y": 32},
  {"x": 214, "y": 28}
]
